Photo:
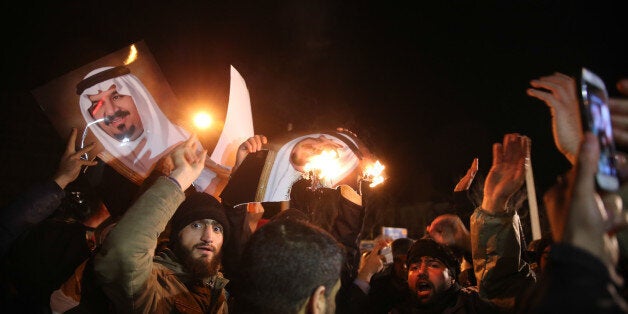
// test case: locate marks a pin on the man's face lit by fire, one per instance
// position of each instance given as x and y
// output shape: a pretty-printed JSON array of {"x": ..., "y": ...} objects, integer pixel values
[
  {"x": 309, "y": 147},
  {"x": 429, "y": 278},
  {"x": 123, "y": 121}
]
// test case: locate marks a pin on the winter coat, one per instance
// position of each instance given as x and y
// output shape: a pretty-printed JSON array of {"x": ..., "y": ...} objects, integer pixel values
[{"x": 137, "y": 281}]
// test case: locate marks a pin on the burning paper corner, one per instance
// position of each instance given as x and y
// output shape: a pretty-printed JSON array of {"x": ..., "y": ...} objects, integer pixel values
[
  {"x": 374, "y": 173},
  {"x": 132, "y": 55}
]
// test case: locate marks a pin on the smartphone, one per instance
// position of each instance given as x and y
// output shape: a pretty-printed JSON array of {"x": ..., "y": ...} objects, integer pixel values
[
  {"x": 596, "y": 118},
  {"x": 387, "y": 256},
  {"x": 394, "y": 232}
]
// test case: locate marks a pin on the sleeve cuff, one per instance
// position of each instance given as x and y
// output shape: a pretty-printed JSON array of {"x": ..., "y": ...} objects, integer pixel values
[{"x": 363, "y": 285}]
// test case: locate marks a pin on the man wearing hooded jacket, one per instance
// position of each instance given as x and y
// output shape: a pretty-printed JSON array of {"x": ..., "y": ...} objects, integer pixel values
[{"x": 183, "y": 277}]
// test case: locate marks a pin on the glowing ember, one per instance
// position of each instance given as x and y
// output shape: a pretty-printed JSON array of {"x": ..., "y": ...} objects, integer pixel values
[
  {"x": 373, "y": 173},
  {"x": 132, "y": 55},
  {"x": 325, "y": 166},
  {"x": 202, "y": 120}
]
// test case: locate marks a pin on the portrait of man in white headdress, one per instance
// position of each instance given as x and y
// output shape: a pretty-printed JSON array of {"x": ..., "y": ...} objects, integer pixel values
[
  {"x": 126, "y": 106},
  {"x": 270, "y": 176},
  {"x": 126, "y": 118}
]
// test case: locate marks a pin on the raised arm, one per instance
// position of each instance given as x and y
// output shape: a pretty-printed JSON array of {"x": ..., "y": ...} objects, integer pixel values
[
  {"x": 507, "y": 174},
  {"x": 72, "y": 162},
  {"x": 41, "y": 200},
  {"x": 465, "y": 182},
  {"x": 124, "y": 263},
  {"x": 584, "y": 254},
  {"x": 495, "y": 232},
  {"x": 251, "y": 145},
  {"x": 448, "y": 229},
  {"x": 560, "y": 93}
]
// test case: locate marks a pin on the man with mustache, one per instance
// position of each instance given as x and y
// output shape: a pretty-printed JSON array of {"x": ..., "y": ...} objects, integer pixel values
[
  {"x": 432, "y": 284},
  {"x": 433, "y": 268},
  {"x": 130, "y": 125},
  {"x": 432, "y": 278},
  {"x": 182, "y": 276},
  {"x": 122, "y": 120}
]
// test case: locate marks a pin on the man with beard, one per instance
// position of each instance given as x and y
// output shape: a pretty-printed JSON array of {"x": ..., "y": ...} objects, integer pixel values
[
  {"x": 495, "y": 245},
  {"x": 184, "y": 277},
  {"x": 432, "y": 272}
]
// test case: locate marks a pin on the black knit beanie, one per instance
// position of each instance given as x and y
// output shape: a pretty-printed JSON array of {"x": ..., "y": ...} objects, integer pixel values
[
  {"x": 197, "y": 206},
  {"x": 429, "y": 247}
]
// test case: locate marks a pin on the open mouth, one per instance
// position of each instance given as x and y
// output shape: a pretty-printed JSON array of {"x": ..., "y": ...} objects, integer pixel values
[{"x": 423, "y": 288}]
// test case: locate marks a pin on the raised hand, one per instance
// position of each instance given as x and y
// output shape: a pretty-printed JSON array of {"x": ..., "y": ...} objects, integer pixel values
[
  {"x": 188, "y": 162},
  {"x": 251, "y": 145},
  {"x": 372, "y": 263},
  {"x": 507, "y": 174},
  {"x": 560, "y": 94},
  {"x": 71, "y": 162},
  {"x": 466, "y": 181},
  {"x": 576, "y": 212},
  {"x": 449, "y": 230}
]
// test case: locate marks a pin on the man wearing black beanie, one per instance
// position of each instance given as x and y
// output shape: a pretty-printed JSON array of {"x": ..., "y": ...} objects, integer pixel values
[
  {"x": 198, "y": 230},
  {"x": 432, "y": 272},
  {"x": 183, "y": 277}
]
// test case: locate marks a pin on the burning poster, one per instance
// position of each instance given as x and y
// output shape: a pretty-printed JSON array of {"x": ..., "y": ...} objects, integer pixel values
[{"x": 326, "y": 159}]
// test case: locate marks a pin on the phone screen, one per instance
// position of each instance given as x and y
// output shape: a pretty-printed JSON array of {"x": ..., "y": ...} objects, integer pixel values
[{"x": 597, "y": 119}]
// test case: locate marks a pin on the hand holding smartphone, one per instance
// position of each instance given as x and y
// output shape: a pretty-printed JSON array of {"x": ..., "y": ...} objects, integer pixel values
[
  {"x": 596, "y": 118},
  {"x": 386, "y": 254}
]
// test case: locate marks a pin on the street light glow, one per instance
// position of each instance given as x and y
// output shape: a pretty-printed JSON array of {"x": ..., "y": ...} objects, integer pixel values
[{"x": 202, "y": 120}]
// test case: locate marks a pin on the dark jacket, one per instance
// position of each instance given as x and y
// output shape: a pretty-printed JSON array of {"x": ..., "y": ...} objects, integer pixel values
[
  {"x": 43, "y": 258},
  {"x": 24, "y": 213},
  {"x": 574, "y": 282},
  {"x": 457, "y": 300},
  {"x": 386, "y": 291},
  {"x": 29, "y": 209}
]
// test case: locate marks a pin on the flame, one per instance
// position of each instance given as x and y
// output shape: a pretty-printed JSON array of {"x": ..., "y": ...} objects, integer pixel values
[
  {"x": 373, "y": 173},
  {"x": 132, "y": 55},
  {"x": 326, "y": 165}
]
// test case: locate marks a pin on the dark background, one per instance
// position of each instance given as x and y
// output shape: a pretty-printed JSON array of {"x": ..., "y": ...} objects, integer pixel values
[{"x": 427, "y": 85}]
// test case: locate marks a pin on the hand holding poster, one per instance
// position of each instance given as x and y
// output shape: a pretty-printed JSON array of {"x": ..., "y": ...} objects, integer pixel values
[{"x": 124, "y": 104}]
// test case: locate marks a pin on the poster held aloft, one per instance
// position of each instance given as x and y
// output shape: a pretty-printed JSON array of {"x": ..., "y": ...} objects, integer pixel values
[
  {"x": 247, "y": 183},
  {"x": 124, "y": 104},
  {"x": 268, "y": 176}
]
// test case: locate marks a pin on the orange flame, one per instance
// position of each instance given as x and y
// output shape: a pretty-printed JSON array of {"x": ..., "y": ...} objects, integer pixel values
[
  {"x": 373, "y": 173},
  {"x": 132, "y": 55},
  {"x": 325, "y": 166}
]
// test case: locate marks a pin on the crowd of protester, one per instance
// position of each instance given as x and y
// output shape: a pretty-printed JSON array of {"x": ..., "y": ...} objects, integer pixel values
[{"x": 178, "y": 250}]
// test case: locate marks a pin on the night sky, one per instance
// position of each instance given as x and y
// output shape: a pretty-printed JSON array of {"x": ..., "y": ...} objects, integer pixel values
[{"x": 428, "y": 86}]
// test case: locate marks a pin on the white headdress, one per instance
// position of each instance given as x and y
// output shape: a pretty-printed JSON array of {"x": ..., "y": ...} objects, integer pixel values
[
  {"x": 283, "y": 175},
  {"x": 159, "y": 133}
]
